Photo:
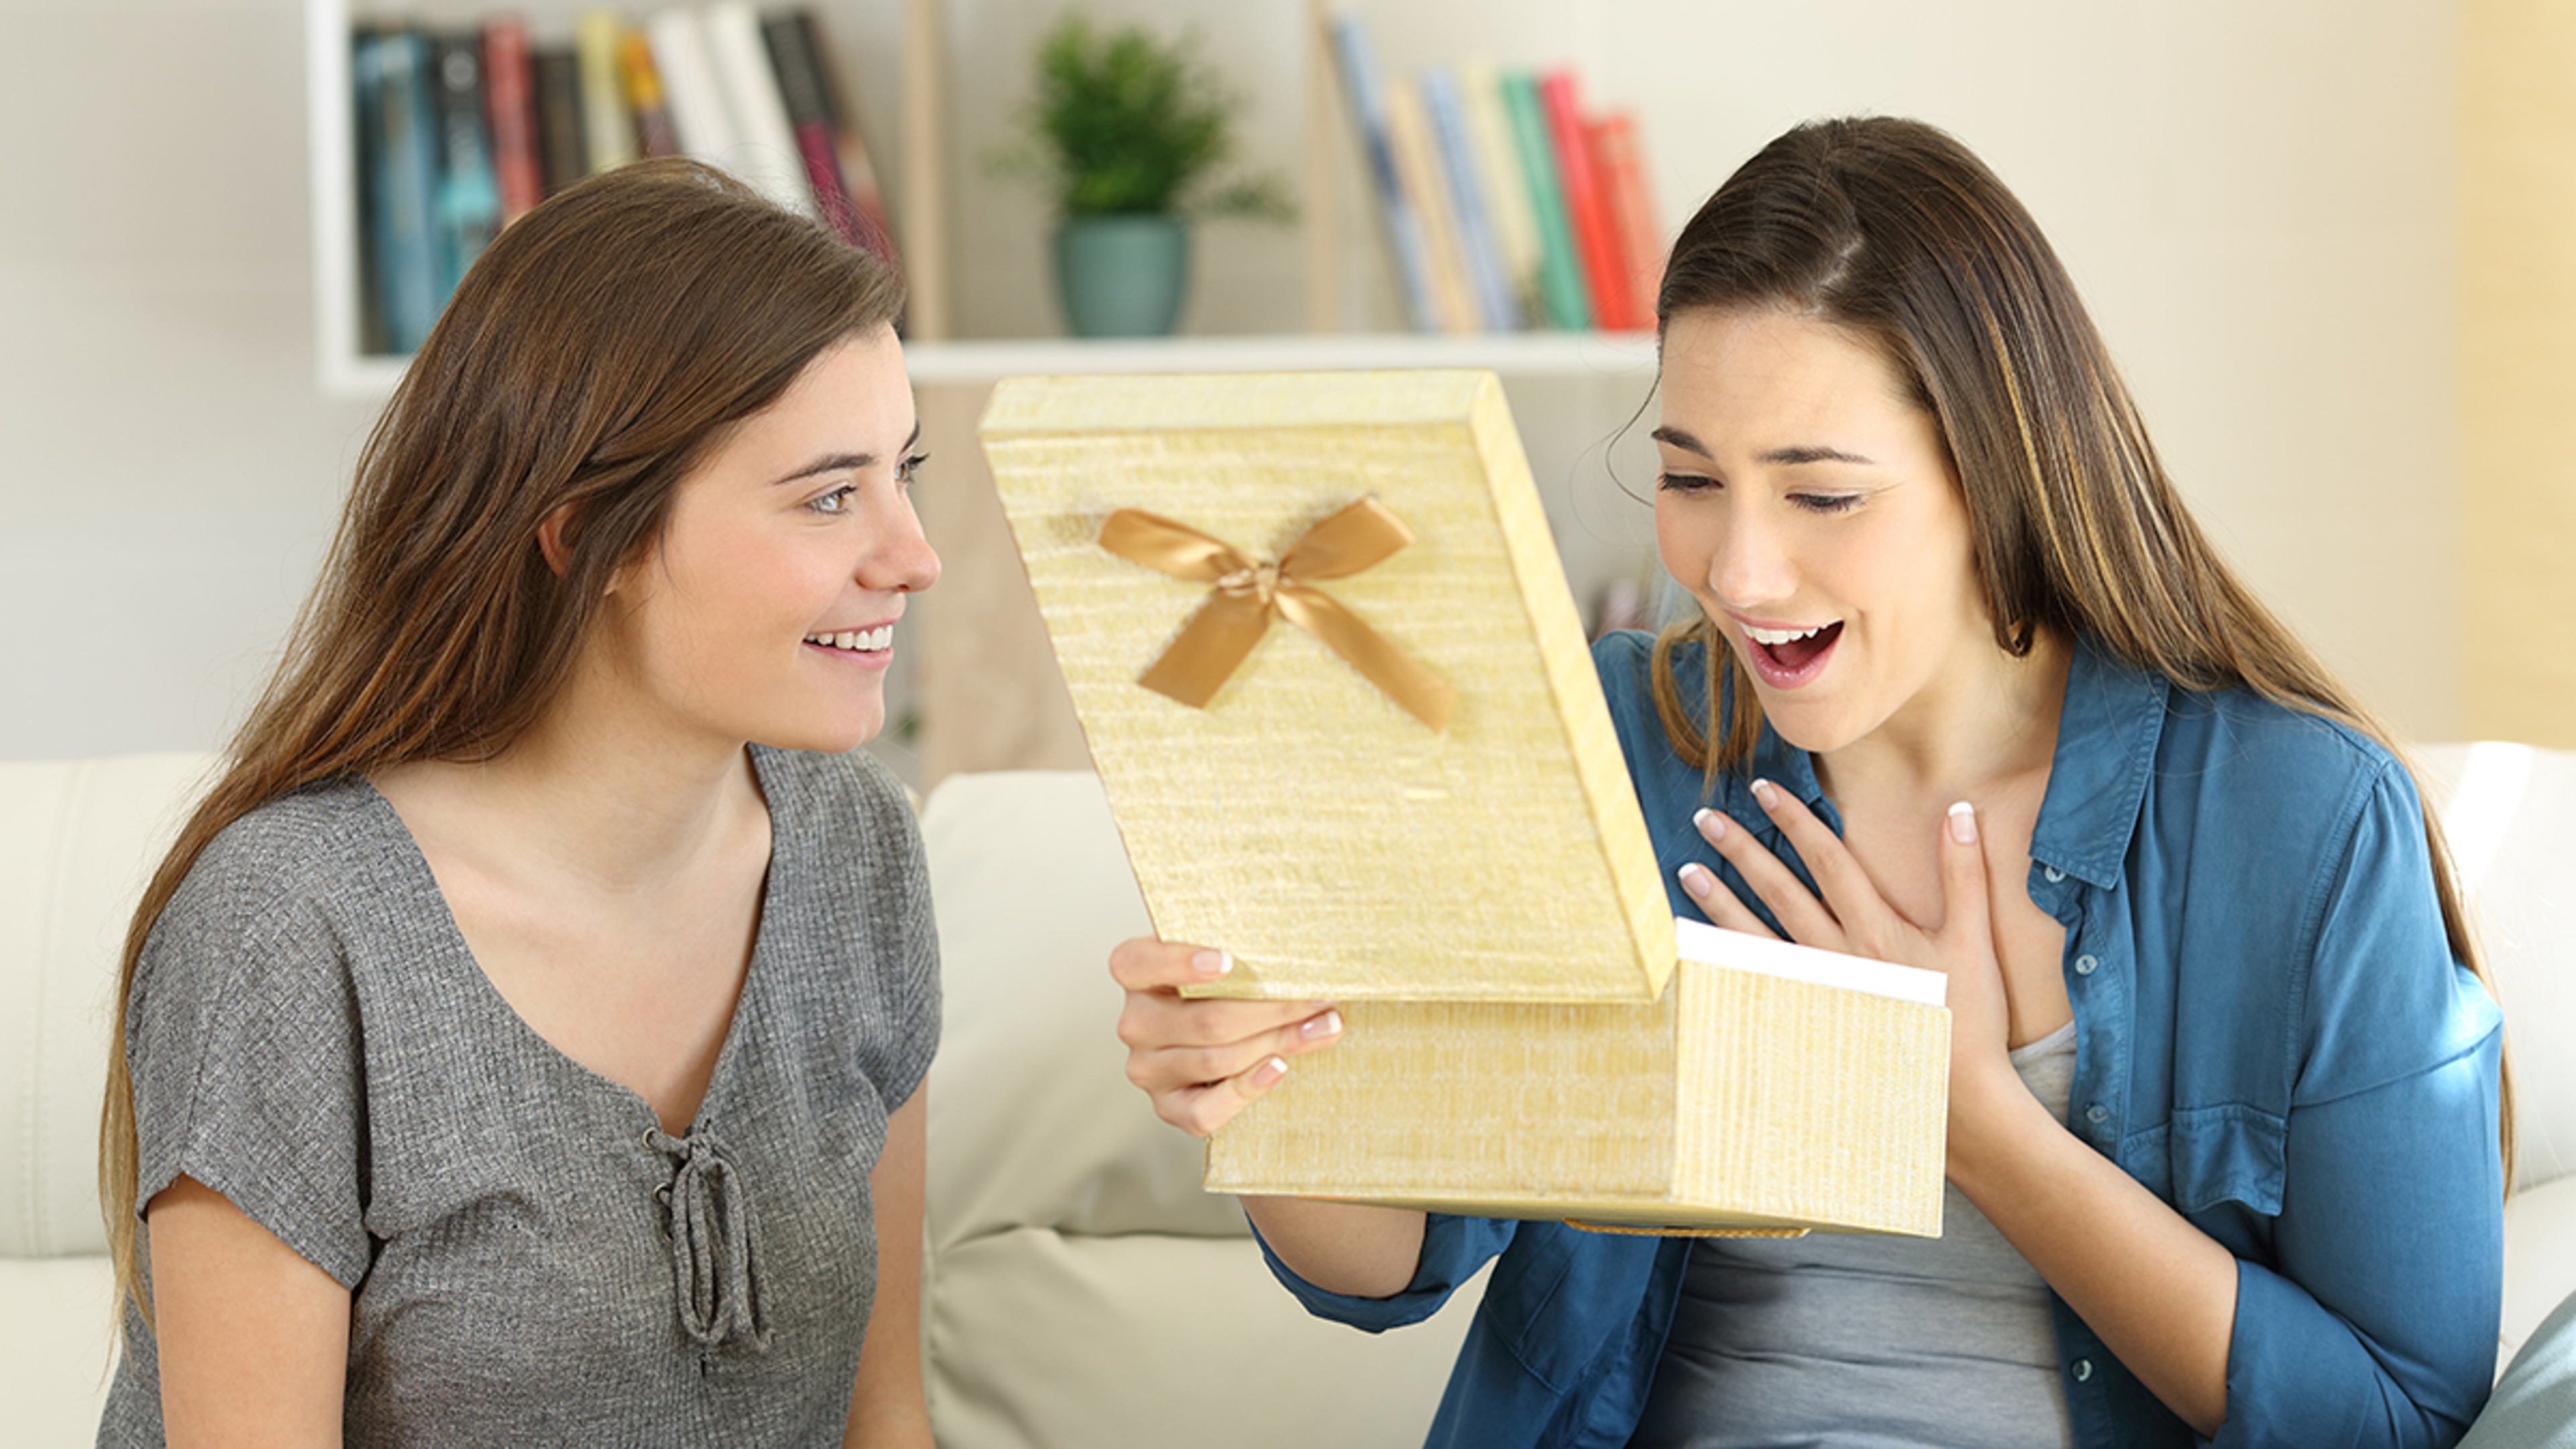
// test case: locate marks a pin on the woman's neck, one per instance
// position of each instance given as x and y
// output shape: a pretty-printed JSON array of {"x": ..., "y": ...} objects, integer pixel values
[
  {"x": 1990, "y": 723},
  {"x": 595, "y": 791}
]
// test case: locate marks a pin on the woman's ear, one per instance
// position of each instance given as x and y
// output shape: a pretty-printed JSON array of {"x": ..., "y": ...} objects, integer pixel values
[{"x": 550, "y": 539}]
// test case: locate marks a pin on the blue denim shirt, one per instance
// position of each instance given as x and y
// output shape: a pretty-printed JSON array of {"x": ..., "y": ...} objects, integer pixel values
[{"x": 2271, "y": 1035}]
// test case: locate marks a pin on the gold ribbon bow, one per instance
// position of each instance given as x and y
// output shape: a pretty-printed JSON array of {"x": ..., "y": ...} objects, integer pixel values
[{"x": 1220, "y": 636}]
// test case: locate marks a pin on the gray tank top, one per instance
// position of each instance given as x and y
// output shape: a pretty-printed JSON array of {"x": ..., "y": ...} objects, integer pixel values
[{"x": 1868, "y": 1342}]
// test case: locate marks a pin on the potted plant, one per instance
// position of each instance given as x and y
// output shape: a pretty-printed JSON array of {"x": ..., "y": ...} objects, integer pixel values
[{"x": 1127, "y": 131}]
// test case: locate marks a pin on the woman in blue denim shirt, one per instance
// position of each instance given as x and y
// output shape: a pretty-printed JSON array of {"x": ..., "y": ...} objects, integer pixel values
[{"x": 1968, "y": 689}]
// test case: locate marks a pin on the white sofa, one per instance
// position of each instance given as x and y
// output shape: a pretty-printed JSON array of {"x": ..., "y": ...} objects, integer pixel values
[{"x": 1081, "y": 1290}]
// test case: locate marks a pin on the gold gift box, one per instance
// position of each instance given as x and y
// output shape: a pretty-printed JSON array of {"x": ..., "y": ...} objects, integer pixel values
[{"x": 1455, "y": 854}]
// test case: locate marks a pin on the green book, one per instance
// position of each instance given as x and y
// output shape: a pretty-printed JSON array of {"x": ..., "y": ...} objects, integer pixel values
[{"x": 1560, "y": 271}]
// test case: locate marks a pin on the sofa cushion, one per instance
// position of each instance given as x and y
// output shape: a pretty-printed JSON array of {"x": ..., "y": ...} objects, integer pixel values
[
  {"x": 2510, "y": 814},
  {"x": 1083, "y": 1289},
  {"x": 77, "y": 840}
]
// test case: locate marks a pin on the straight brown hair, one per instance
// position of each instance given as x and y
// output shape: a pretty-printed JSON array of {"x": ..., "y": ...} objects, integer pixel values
[
  {"x": 601, "y": 346},
  {"x": 1893, "y": 231}
]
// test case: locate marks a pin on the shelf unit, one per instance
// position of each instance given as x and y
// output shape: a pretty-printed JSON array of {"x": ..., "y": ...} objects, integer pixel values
[{"x": 343, "y": 371}]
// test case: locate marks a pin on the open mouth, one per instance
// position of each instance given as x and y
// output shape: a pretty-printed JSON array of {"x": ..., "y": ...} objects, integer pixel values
[{"x": 1787, "y": 658}]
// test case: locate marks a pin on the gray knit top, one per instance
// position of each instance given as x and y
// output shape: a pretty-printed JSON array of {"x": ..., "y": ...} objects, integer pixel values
[{"x": 531, "y": 1259}]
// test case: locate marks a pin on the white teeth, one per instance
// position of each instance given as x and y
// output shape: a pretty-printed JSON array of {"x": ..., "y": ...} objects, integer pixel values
[
  {"x": 881, "y": 637},
  {"x": 1783, "y": 636}
]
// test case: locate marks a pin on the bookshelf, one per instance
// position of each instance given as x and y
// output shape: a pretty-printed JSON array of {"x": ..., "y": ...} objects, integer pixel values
[
  {"x": 988, "y": 695},
  {"x": 919, "y": 207}
]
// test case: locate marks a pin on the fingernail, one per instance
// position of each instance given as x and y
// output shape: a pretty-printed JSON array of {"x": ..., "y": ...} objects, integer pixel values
[
  {"x": 1963, "y": 823},
  {"x": 1711, "y": 824},
  {"x": 1696, "y": 880},
  {"x": 1269, "y": 1071},
  {"x": 1763, "y": 792},
  {"x": 1212, "y": 963},
  {"x": 1319, "y": 1027}
]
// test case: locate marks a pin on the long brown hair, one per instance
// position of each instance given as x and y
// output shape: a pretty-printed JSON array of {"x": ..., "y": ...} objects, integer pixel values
[
  {"x": 1893, "y": 231},
  {"x": 599, "y": 348}
]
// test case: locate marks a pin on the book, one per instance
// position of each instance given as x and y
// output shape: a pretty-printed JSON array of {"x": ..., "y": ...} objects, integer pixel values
[
  {"x": 799, "y": 32},
  {"x": 1496, "y": 305},
  {"x": 367, "y": 97},
  {"x": 468, "y": 207},
  {"x": 510, "y": 99},
  {"x": 765, "y": 153},
  {"x": 563, "y": 157},
  {"x": 644, "y": 100},
  {"x": 607, "y": 128},
  {"x": 1569, "y": 301},
  {"x": 1507, "y": 196},
  {"x": 1357, "y": 60},
  {"x": 699, "y": 115},
  {"x": 393, "y": 66},
  {"x": 1426, "y": 190},
  {"x": 1604, "y": 271},
  {"x": 1618, "y": 159},
  {"x": 800, "y": 84},
  {"x": 1384, "y": 775}
]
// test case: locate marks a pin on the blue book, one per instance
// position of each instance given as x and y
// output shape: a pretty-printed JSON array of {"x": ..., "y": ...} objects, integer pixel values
[
  {"x": 1485, "y": 273},
  {"x": 394, "y": 67},
  {"x": 1368, "y": 112}
]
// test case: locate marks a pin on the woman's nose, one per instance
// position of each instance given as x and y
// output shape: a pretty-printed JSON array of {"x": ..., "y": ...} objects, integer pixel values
[
  {"x": 899, "y": 558},
  {"x": 1749, "y": 567}
]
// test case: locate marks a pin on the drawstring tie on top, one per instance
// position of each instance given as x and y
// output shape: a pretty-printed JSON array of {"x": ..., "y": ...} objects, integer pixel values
[{"x": 715, "y": 1252}]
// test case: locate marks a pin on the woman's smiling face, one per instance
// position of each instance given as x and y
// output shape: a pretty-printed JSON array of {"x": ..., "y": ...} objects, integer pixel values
[
  {"x": 1808, "y": 502},
  {"x": 767, "y": 609}
]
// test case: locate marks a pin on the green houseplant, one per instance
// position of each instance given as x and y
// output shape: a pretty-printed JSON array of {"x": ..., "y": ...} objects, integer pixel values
[{"x": 1128, "y": 132}]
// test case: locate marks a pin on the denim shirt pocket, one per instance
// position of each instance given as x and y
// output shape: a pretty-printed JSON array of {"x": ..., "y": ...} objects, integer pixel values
[{"x": 2205, "y": 1156}]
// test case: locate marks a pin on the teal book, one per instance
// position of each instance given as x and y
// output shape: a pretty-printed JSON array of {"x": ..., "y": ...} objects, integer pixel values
[
  {"x": 393, "y": 68},
  {"x": 1560, "y": 272}
]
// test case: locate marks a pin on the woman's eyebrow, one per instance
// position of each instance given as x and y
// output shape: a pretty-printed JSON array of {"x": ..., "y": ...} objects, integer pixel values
[
  {"x": 1779, "y": 457},
  {"x": 848, "y": 462},
  {"x": 1791, "y": 457}
]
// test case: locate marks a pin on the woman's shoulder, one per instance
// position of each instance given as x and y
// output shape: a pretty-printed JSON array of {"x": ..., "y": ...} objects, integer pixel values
[
  {"x": 2279, "y": 756},
  {"x": 274, "y": 900},
  {"x": 848, "y": 810},
  {"x": 300, "y": 847}
]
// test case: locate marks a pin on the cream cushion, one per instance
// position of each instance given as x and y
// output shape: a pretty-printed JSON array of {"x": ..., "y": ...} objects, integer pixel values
[
  {"x": 77, "y": 839},
  {"x": 1083, "y": 1290}
]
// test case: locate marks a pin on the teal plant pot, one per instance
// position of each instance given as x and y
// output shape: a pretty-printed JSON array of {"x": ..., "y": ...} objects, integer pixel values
[{"x": 1122, "y": 276}]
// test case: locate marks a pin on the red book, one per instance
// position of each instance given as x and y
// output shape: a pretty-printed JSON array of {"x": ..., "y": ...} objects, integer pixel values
[
  {"x": 510, "y": 95},
  {"x": 1619, "y": 163},
  {"x": 1596, "y": 237}
]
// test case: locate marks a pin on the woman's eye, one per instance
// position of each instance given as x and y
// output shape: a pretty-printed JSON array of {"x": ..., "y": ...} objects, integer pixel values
[
  {"x": 910, "y": 468},
  {"x": 835, "y": 502},
  {"x": 1684, "y": 482},
  {"x": 1827, "y": 502}
]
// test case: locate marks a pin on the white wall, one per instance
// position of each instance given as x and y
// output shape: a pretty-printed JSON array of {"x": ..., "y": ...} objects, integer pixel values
[{"x": 2257, "y": 200}]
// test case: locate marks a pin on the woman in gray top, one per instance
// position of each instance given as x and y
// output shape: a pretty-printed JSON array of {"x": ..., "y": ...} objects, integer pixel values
[{"x": 521, "y": 1042}]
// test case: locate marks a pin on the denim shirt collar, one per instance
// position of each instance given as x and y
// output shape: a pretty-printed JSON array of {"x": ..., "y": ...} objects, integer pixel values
[{"x": 2107, "y": 730}]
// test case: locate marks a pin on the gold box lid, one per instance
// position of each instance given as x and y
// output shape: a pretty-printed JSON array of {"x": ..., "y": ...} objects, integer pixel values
[{"x": 1348, "y": 835}]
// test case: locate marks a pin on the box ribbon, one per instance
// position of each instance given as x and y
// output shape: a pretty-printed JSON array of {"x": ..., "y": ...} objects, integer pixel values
[{"x": 1221, "y": 635}]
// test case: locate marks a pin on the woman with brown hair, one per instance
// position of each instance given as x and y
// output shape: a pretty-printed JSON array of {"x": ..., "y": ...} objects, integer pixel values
[
  {"x": 1967, "y": 689},
  {"x": 521, "y": 1043}
]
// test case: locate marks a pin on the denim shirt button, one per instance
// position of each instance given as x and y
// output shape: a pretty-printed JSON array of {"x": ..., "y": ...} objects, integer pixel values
[
  {"x": 2054, "y": 875},
  {"x": 2082, "y": 1370},
  {"x": 2097, "y": 1114},
  {"x": 2085, "y": 965}
]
